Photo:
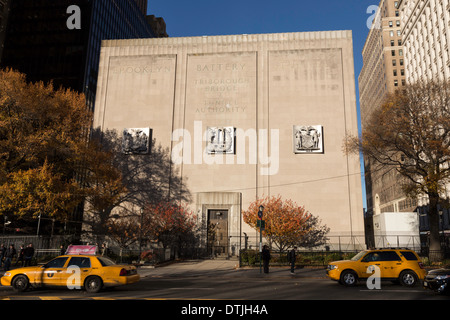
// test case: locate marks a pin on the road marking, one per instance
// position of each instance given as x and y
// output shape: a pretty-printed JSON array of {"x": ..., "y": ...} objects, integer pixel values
[{"x": 189, "y": 288}]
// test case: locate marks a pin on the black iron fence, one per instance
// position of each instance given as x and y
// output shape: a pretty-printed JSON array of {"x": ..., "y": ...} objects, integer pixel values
[{"x": 322, "y": 258}]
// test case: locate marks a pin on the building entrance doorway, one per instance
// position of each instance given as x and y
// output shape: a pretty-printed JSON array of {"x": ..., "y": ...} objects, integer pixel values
[{"x": 218, "y": 232}]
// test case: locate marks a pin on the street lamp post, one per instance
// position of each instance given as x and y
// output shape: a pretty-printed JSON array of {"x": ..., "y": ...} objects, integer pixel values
[{"x": 140, "y": 234}]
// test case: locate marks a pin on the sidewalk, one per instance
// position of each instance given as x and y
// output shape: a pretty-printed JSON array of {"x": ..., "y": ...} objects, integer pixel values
[{"x": 228, "y": 268}]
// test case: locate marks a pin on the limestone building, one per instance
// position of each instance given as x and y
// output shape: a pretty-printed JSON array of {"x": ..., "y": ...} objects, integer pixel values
[
  {"x": 244, "y": 116},
  {"x": 382, "y": 73},
  {"x": 425, "y": 31}
]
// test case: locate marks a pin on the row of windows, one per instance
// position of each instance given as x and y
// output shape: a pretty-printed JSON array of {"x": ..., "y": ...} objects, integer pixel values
[
  {"x": 397, "y": 23},
  {"x": 394, "y": 62},
  {"x": 400, "y": 52}
]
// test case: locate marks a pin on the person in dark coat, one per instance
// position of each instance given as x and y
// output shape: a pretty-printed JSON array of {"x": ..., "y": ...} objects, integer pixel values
[
  {"x": 266, "y": 258},
  {"x": 292, "y": 255},
  {"x": 9, "y": 255},
  {"x": 2, "y": 253},
  {"x": 20, "y": 256},
  {"x": 28, "y": 254}
]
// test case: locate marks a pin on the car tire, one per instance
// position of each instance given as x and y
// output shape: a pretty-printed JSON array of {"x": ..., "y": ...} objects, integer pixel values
[
  {"x": 349, "y": 278},
  {"x": 93, "y": 284},
  {"x": 20, "y": 283},
  {"x": 408, "y": 278}
]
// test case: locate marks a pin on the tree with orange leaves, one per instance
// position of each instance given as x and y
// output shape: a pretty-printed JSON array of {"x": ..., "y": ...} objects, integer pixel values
[
  {"x": 286, "y": 223},
  {"x": 169, "y": 223}
]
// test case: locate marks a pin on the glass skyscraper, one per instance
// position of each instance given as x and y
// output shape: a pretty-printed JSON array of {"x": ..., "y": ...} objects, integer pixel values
[{"x": 39, "y": 43}]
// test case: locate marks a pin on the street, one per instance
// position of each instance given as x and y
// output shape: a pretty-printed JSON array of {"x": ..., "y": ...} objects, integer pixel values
[{"x": 222, "y": 280}]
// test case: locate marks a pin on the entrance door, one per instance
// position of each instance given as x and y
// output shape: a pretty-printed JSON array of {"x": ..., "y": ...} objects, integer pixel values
[{"x": 218, "y": 232}]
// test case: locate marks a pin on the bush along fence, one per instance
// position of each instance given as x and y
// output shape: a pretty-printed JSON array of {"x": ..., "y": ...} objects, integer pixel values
[{"x": 251, "y": 258}]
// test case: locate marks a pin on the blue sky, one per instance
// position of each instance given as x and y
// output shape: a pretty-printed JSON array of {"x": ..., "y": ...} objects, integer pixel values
[{"x": 211, "y": 17}]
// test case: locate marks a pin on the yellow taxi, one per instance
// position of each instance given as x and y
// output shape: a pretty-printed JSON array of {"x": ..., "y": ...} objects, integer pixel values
[
  {"x": 403, "y": 265},
  {"x": 74, "y": 271}
]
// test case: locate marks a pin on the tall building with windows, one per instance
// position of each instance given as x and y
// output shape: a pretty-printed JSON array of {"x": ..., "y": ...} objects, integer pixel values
[
  {"x": 4, "y": 12},
  {"x": 383, "y": 68},
  {"x": 40, "y": 43},
  {"x": 382, "y": 73},
  {"x": 426, "y": 36}
]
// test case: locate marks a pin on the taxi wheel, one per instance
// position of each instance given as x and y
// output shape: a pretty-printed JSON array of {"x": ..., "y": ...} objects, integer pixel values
[
  {"x": 408, "y": 278},
  {"x": 93, "y": 284},
  {"x": 20, "y": 283},
  {"x": 349, "y": 278}
]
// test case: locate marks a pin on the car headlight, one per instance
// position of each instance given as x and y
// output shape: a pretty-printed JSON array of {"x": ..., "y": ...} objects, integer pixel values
[
  {"x": 332, "y": 267},
  {"x": 7, "y": 274},
  {"x": 442, "y": 277}
]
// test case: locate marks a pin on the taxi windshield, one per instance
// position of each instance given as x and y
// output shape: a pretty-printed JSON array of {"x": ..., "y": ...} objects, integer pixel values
[{"x": 358, "y": 256}]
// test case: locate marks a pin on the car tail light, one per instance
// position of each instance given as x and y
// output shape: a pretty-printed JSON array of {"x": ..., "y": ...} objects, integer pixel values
[
  {"x": 421, "y": 265},
  {"x": 123, "y": 272}
]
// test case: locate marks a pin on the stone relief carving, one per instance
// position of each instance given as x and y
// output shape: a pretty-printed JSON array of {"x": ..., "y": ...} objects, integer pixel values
[
  {"x": 308, "y": 139},
  {"x": 136, "y": 140},
  {"x": 220, "y": 140}
]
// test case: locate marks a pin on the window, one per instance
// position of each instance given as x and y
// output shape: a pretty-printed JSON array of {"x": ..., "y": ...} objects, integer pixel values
[
  {"x": 395, "y": 83},
  {"x": 392, "y": 43},
  {"x": 395, "y": 72},
  {"x": 397, "y": 23},
  {"x": 393, "y": 53},
  {"x": 399, "y": 42},
  {"x": 399, "y": 33},
  {"x": 396, "y": 4},
  {"x": 391, "y": 24},
  {"x": 56, "y": 263},
  {"x": 400, "y": 52},
  {"x": 401, "y": 62},
  {"x": 389, "y": 256},
  {"x": 81, "y": 262},
  {"x": 394, "y": 63},
  {"x": 408, "y": 255},
  {"x": 397, "y": 13},
  {"x": 402, "y": 72},
  {"x": 391, "y": 33},
  {"x": 105, "y": 261}
]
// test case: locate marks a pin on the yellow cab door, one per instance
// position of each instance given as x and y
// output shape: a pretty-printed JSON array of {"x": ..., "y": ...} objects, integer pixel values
[
  {"x": 390, "y": 264},
  {"x": 78, "y": 268},
  {"x": 370, "y": 259},
  {"x": 51, "y": 272}
]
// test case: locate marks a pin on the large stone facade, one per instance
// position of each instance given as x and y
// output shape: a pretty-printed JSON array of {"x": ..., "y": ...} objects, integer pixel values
[{"x": 244, "y": 116}]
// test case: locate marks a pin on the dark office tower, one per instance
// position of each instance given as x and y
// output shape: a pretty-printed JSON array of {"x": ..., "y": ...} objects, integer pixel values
[
  {"x": 4, "y": 10},
  {"x": 142, "y": 5},
  {"x": 44, "y": 42}
]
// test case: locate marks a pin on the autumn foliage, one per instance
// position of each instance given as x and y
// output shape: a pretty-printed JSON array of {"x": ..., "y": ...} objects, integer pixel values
[
  {"x": 167, "y": 222},
  {"x": 43, "y": 135},
  {"x": 286, "y": 223}
]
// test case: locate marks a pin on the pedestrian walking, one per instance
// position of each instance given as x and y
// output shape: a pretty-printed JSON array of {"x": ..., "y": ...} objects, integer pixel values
[
  {"x": 2, "y": 254},
  {"x": 28, "y": 255},
  {"x": 9, "y": 255},
  {"x": 266, "y": 258},
  {"x": 20, "y": 255},
  {"x": 292, "y": 256}
]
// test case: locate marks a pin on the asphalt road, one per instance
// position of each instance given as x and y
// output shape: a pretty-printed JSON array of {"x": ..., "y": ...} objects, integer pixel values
[
  {"x": 223, "y": 280},
  {"x": 219, "y": 289}
]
